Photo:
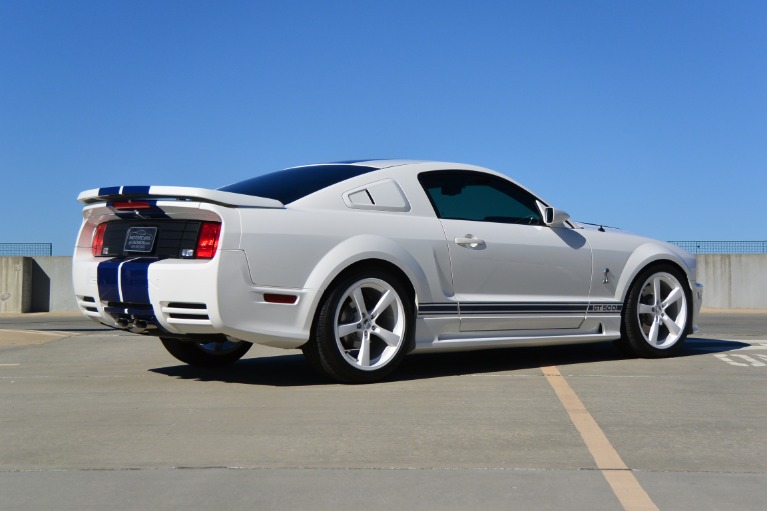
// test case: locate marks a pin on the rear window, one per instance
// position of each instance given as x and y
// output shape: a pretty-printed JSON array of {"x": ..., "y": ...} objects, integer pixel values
[{"x": 290, "y": 185}]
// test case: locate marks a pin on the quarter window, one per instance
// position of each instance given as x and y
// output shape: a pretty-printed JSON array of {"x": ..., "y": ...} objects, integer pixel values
[{"x": 465, "y": 195}]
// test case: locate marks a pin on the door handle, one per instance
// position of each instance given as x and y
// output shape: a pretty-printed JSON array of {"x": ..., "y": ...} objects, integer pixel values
[{"x": 470, "y": 242}]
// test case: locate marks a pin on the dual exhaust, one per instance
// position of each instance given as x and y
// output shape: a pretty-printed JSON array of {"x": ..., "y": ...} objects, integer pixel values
[{"x": 135, "y": 325}]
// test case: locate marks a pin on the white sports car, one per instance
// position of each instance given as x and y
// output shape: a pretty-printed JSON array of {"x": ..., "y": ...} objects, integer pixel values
[{"x": 358, "y": 263}]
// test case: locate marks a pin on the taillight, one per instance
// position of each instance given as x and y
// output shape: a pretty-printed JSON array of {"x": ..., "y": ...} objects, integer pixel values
[
  {"x": 131, "y": 205},
  {"x": 98, "y": 240},
  {"x": 207, "y": 243}
]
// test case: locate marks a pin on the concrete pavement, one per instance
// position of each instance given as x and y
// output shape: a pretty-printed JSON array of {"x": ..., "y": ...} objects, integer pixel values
[{"x": 98, "y": 419}]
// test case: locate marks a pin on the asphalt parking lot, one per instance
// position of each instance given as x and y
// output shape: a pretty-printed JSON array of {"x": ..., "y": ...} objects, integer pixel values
[{"x": 98, "y": 419}]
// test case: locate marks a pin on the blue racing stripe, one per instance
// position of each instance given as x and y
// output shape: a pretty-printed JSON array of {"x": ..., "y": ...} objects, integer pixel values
[
  {"x": 124, "y": 190},
  {"x": 488, "y": 308},
  {"x": 107, "y": 279},
  {"x": 124, "y": 280},
  {"x": 437, "y": 309},
  {"x": 134, "y": 280},
  {"x": 135, "y": 190},
  {"x": 109, "y": 190}
]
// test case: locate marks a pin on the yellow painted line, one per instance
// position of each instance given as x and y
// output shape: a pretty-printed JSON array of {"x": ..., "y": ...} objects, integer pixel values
[
  {"x": 9, "y": 365},
  {"x": 622, "y": 481}
]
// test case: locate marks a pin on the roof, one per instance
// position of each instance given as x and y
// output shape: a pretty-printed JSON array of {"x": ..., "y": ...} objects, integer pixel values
[{"x": 375, "y": 163}]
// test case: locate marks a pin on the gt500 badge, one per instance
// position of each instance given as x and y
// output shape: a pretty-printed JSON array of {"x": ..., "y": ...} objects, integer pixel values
[{"x": 606, "y": 308}]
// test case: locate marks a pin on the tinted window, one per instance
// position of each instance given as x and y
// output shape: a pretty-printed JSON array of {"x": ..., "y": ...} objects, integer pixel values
[
  {"x": 459, "y": 195},
  {"x": 289, "y": 185}
]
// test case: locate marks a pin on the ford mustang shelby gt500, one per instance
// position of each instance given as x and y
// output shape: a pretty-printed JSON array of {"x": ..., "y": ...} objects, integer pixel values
[{"x": 358, "y": 263}]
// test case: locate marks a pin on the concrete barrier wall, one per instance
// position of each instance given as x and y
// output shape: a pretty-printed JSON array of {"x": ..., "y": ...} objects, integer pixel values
[
  {"x": 52, "y": 289},
  {"x": 36, "y": 284},
  {"x": 15, "y": 284},
  {"x": 733, "y": 281},
  {"x": 44, "y": 284}
]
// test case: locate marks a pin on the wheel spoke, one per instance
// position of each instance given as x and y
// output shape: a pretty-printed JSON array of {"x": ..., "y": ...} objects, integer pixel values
[
  {"x": 344, "y": 330},
  {"x": 645, "y": 309},
  {"x": 363, "y": 357},
  {"x": 673, "y": 328},
  {"x": 674, "y": 296},
  {"x": 653, "y": 337},
  {"x": 390, "y": 338},
  {"x": 386, "y": 299},
  {"x": 359, "y": 301},
  {"x": 656, "y": 290}
]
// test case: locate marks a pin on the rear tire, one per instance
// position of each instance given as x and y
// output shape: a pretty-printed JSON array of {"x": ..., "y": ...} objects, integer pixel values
[
  {"x": 363, "y": 328},
  {"x": 657, "y": 313},
  {"x": 211, "y": 354}
]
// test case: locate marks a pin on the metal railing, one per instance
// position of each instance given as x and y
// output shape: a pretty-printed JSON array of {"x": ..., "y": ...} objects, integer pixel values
[
  {"x": 723, "y": 247},
  {"x": 26, "y": 249}
]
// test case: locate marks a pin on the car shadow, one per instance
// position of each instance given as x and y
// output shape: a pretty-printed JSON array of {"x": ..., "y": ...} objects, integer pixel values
[
  {"x": 292, "y": 370},
  {"x": 278, "y": 371}
]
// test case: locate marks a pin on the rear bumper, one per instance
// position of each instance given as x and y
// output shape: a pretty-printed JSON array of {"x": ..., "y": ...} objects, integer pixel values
[{"x": 188, "y": 297}]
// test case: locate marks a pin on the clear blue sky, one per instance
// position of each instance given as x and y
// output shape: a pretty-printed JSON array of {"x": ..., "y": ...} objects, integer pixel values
[{"x": 649, "y": 115}]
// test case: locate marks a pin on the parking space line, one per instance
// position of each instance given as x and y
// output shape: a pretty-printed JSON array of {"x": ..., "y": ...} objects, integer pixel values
[
  {"x": 624, "y": 484},
  {"x": 40, "y": 332}
]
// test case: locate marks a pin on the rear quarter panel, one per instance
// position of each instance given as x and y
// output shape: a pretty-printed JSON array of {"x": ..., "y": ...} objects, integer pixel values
[{"x": 308, "y": 248}]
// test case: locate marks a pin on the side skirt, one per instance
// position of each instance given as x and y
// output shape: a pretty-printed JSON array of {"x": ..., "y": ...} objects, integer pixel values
[{"x": 442, "y": 334}]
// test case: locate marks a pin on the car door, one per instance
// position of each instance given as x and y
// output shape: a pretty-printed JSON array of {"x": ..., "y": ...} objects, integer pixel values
[{"x": 510, "y": 270}]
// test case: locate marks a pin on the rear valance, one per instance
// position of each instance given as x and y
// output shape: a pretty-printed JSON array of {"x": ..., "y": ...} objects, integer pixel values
[{"x": 114, "y": 193}]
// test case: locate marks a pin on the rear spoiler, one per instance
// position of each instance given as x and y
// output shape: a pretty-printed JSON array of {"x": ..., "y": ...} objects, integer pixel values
[{"x": 124, "y": 193}]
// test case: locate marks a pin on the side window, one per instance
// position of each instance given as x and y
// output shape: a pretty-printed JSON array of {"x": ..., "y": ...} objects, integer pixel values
[{"x": 465, "y": 195}]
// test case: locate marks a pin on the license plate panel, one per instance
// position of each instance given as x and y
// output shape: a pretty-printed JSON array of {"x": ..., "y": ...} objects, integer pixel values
[{"x": 140, "y": 239}]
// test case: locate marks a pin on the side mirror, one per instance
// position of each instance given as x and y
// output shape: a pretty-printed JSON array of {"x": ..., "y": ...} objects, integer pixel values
[{"x": 554, "y": 217}]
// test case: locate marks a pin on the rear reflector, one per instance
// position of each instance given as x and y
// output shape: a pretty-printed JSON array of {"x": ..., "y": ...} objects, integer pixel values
[
  {"x": 275, "y": 298},
  {"x": 207, "y": 243},
  {"x": 98, "y": 240}
]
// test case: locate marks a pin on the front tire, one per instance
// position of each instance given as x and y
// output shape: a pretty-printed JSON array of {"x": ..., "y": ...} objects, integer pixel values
[
  {"x": 201, "y": 354},
  {"x": 657, "y": 313},
  {"x": 363, "y": 328}
]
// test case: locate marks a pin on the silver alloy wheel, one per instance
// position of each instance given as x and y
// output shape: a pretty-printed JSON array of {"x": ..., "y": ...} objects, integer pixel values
[
  {"x": 662, "y": 310},
  {"x": 369, "y": 324}
]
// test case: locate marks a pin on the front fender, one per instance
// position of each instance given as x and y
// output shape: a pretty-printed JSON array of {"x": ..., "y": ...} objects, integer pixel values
[{"x": 649, "y": 253}]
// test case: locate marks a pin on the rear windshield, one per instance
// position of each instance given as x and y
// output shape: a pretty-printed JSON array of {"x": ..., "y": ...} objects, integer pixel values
[{"x": 289, "y": 185}]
